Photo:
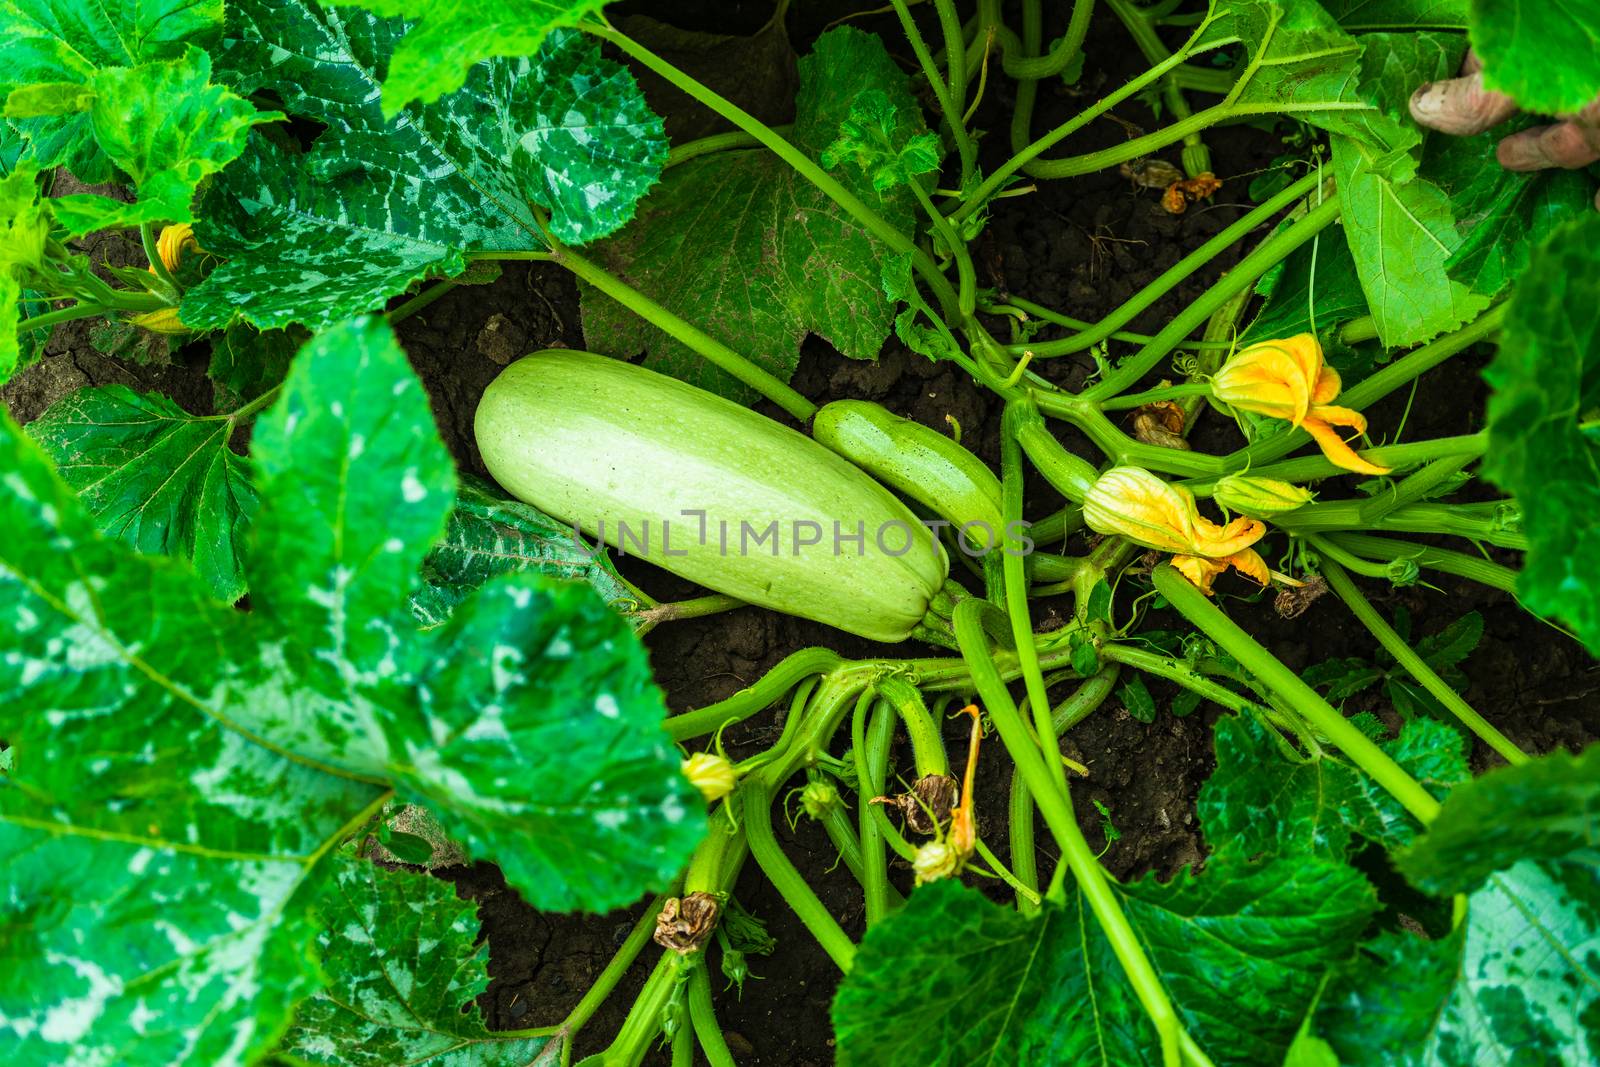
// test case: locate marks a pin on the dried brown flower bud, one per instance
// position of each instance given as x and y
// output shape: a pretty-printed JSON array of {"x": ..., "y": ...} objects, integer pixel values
[{"x": 685, "y": 924}]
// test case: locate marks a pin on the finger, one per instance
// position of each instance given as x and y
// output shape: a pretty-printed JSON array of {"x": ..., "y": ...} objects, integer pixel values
[
  {"x": 1460, "y": 105},
  {"x": 1566, "y": 144},
  {"x": 1471, "y": 64}
]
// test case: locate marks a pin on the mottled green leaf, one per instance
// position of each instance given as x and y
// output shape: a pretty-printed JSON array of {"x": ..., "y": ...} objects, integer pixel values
[
  {"x": 24, "y": 229},
  {"x": 1501, "y": 215},
  {"x": 69, "y": 41},
  {"x": 741, "y": 244},
  {"x": 489, "y": 535},
  {"x": 167, "y": 127},
  {"x": 450, "y": 37},
  {"x": 402, "y": 967},
  {"x": 156, "y": 478},
  {"x": 1544, "y": 809},
  {"x": 180, "y": 772},
  {"x": 1317, "y": 285},
  {"x": 1546, "y": 381},
  {"x": 1265, "y": 799},
  {"x": 891, "y": 146},
  {"x": 1516, "y": 982},
  {"x": 1545, "y": 54},
  {"x": 1401, "y": 228},
  {"x": 246, "y": 362},
  {"x": 376, "y": 204},
  {"x": 954, "y": 979},
  {"x": 1358, "y": 15},
  {"x": 155, "y": 855}
]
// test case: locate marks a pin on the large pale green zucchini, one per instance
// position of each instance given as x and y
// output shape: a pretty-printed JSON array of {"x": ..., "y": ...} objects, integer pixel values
[{"x": 635, "y": 457}]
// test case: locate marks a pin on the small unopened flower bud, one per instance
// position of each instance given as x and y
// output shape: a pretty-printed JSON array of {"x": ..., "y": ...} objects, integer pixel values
[
  {"x": 936, "y": 860},
  {"x": 173, "y": 242},
  {"x": 819, "y": 798},
  {"x": 1259, "y": 498},
  {"x": 712, "y": 774},
  {"x": 735, "y": 968}
]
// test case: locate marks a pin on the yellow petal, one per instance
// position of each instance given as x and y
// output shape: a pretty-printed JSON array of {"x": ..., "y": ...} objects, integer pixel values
[
  {"x": 1219, "y": 542},
  {"x": 1200, "y": 572},
  {"x": 173, "y": 241},
  {"x": 1267, "y": 378},
  {"x": 1333, "y": 446},
  {"x": 1250, "y": 562},
  {"x": 1133, "y": 503}
]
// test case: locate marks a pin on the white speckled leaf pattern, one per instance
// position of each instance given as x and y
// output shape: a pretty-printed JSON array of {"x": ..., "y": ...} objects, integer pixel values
[
  {"x": 174, "y": 784},
  {"x": 489, "y": 535},
  {"x": 376, "y": 203},
  {"x": 167, "y": 127},
  {"x": 742, "y": 244},
  {"x": 1518, "y": 981},
  {"x": 156, "y": 478},
  {"x": 451, "y": 36},
  {"x": 401, "y": 964},
  {"x": 67, "y": 41}
]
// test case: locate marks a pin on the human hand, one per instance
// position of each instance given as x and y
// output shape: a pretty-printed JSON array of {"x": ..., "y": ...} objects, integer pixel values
[{"x": 1463, "y": 106}]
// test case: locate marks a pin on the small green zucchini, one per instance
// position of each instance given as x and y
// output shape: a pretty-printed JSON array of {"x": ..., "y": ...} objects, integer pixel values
[
  {"x": 709, "y": 490},
  {"x": 919, "y": 461}
]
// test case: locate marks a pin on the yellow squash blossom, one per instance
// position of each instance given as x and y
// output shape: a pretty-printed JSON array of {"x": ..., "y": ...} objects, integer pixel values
[
  {"x": 163, "y": 320},
  {"x": 1287, "y": 379},
  {"x": 712, "y": 774},
  {"x": 1133, "y": 503},
  {"x": 173, "y": 242}
]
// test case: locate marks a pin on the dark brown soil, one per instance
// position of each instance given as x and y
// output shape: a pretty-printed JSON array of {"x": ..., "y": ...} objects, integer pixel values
[{"x": 1083, "y": 246}]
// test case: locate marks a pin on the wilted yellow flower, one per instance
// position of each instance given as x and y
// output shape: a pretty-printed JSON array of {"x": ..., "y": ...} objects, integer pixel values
[
  {"x": 712, "y": 774},
  {"x": 172, "y": 243},
  {"x": 162, "y": 320},
  {"x": 1259, "y": 497},
  {"x": 1288, "y": 380},
  {"x": 1133, "y": 503}
]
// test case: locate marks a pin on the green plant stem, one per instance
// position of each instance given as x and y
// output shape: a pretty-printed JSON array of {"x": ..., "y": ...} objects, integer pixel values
[
  {"x": 1414, "y": 487},
  {"x": 1067, "y": 714},
  {"x": 701, "y": 342},
  {"x": 767, "y": 690},
  {"x": 1196, "y": 157},
  {"x": 1050, "y": 794},
  {"x": 1430, "y": 558},
  {"x": 703, "y": 1017},
  {"x": 50, "y": 319},
  {"x": 683, "y": 1041},
  {"x": 717, "y": 142},
  {"x": 1176, "y": 670},
  {"x": 1071, "y": 475},
  {"x": 245, "y": 411},
  {"x": 643, "y": 1023},
  {"x": 802, "y": 164},
  {"x": 1023, "y": 892},
  {"x": 1025, "y": 157},
  {"x": 1039, "y": 311},
  {"x": 927, "y": 742},
  {"x": 1054, "y": 528},
  {"x": 1261, "y": 259},
  {"x": 1454, "y": 520},
  {"x": 955, "y": 51},
  {"x": 1370, "y": 390},
  {"x": 626, "y": 953},
  {"x": 1165, "y": 392},
  {"x": 764, "y": 847},
  {"x": 949, "y": 106},
  {"x": 1270, "y": 671},
  {"x": 1348, "y": 560},
  {"x": 420, "y": 301},
  {"x": 1180, "y": 271},
  {"x": 842, "y": 834},
  {"x": 1358, "y": 330},
  {"x": 694, "y": 608},
  {"x": 1310, "y": 468},
  {"x": 874, "y": 864},
  {"x": 1416, "y": 666},
  {"x": 966, "y": 278},
  {"x": 1016, "y": 586},
  {"x": 152, "y": 253},
  {"x": 1118, "y": 446}
]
